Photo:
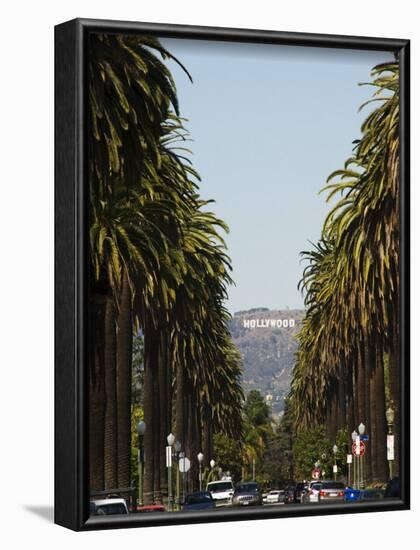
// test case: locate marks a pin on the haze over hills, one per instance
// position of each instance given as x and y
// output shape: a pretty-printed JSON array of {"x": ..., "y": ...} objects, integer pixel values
[{"x": 267, "y": 343}]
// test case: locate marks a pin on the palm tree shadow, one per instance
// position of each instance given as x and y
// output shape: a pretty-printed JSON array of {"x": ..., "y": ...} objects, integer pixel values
[{"x": 44, "y": 512}]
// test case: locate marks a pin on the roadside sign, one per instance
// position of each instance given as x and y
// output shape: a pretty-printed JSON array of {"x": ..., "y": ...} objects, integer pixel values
[
  {"x": 349, "y": 459},
  {"x": 316, "y": 473},
  {"x": 168, "y": 456},
  {"x": 364, "y": 437},
  {"x": 184, "y": 465},
  {"x": 390, "y": 447},
  {"x": 335, "y": 468},
  {"x": 358, "y": 450}
]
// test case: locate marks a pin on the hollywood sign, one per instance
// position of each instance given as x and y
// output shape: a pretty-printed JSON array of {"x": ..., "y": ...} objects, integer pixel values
[{"x": 269, "y": 323}]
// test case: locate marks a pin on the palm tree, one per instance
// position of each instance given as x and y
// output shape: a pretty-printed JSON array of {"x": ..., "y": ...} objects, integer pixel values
[
  {"x": 352, "y": 284},
  {"x": 130, "y": 95}
]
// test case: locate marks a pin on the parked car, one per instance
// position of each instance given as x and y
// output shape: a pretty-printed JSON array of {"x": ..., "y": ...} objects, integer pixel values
[
  {"x": 264, "y": 497},
  {"x": 332, "y": 491},
  {"x": 247, "y": 494},
  {"x": 393, "y": 488},
  {"x": 289, "y": 494},
  {"x": 221, "y": 491},
  {"x": 300, "y": 490},
  {"x": 312, "y": 492},
  {"x": 200, "y": 500},
  {"x": 150, "y": 508},
  {"x": 108, "y": 507},
  {"x": 352, "y": 495},
  {"x": 275, "y": 496},
  {"x": 371, "y": 494}
]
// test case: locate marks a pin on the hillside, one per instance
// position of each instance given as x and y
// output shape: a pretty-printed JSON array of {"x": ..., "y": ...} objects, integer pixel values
[{"x": 266, "y": 341}]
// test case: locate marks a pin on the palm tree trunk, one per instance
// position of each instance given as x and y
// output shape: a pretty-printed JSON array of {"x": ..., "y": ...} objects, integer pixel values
[
  {"x": 164, "y": 405},
  {"x": 395, "y": 395},
  {"x": 156, "y": 422},
  {"x": 332, "y": 425},
  {"x": 180, "y": 404},
  {"x": 149, "y": 468},
  {"x": 368, "y": 419},
  {"x": 341, "y": 395},
  {"x": 379, "y": 383},
  {"x": 110, "y": 436},
  {"x": 350, "y": 407},
  {"x": 124, "y": 358},
  {"x": 97, "y": 396}
]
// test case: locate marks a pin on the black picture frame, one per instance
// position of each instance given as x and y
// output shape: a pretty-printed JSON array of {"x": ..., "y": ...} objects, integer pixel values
[{"x": 71, "y": 231}]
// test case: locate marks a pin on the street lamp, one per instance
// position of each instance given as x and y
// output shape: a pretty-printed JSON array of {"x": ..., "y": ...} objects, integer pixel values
[
  {"x": 141, "y": 429},
  {"x": 335, "y": 451},
  {"x": 200, "y": 457},
  {"x": 390, "y": 416},
  {"x": 177, "y": 447},
  {"x": 212, "y": 465},
  {"x": 171, "y": 440},
  {"x": 354, "y": 437},
  {"x": 362, "y": 429}
]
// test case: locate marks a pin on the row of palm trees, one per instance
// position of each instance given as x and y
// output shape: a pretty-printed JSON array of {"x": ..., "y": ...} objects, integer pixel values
[
  {"x": 158, "y": 266},
  {"x": 347, "y": 367}
]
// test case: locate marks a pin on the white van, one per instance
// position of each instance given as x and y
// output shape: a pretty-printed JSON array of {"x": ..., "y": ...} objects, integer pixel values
[{"x": 221, "y": 491}]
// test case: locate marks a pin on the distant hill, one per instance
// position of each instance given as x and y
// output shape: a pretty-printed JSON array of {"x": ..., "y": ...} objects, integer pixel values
[{"x": 266, "y": 341}]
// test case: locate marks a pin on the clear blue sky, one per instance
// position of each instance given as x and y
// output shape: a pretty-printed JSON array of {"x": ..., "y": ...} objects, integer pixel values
[{"x": 269, "y": 124}]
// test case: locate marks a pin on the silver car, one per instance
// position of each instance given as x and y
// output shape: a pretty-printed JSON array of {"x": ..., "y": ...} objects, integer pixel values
[
  {"x": 247, "y": 494},
  {"x": 312, "y": 494},
  {"x": 331, "y": 491}
]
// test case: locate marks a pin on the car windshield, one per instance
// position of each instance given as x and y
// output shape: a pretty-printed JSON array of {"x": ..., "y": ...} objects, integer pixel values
[
  {"x": 110, "y": 509},
  {"x": 332, "y": 485},
  {"x": 219, "y": 487},
  {"x": 247, "y": 488},
  {"x": 199, "y": 498},
  {"x": 274, "y": 492}
]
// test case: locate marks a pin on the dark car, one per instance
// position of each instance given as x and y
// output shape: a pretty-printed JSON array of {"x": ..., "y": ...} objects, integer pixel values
[
  {"x": 300, "y": 491},
  {"x": 247, "y": 494},
  {"x": 393, "y": 488},
  {"x": 201, "y": 500},
  {"x": 289, "y": 494},
  {"x": 371, "y": 494}
]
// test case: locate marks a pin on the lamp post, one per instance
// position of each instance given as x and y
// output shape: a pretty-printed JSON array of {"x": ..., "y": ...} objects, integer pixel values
[
  {"x": 171, "y": 440},
  {"x": 335, "y": 451},
  {"x": 362, "y": 429},
  {"x": 212, "y": 465},
  {"x": 141, "y": 429},
  {"x": 390, "y": 416},
  {"x": 177, "y": 447},
  {"x": 355, "y": 469},
  {"x": 200, "y": 457}
]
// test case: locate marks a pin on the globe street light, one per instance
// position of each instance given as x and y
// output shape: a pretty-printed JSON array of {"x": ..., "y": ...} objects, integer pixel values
[
  {"x": 171, "y": 440},
  {"x": 390, "y": 416},
  {"x": 212, "y": 465},
  {"x": 362, "y": 429},
  {"x": 200, "y": 457},
  {"x": 141, "y": 429},
  {"x": 335, "y": 451},
  {"x": 354, "y": 437},
  {"x": 177, "y": 447}
]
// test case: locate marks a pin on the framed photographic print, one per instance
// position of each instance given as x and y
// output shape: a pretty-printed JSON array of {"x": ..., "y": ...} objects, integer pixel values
[{"x": 232, "y": 274}]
